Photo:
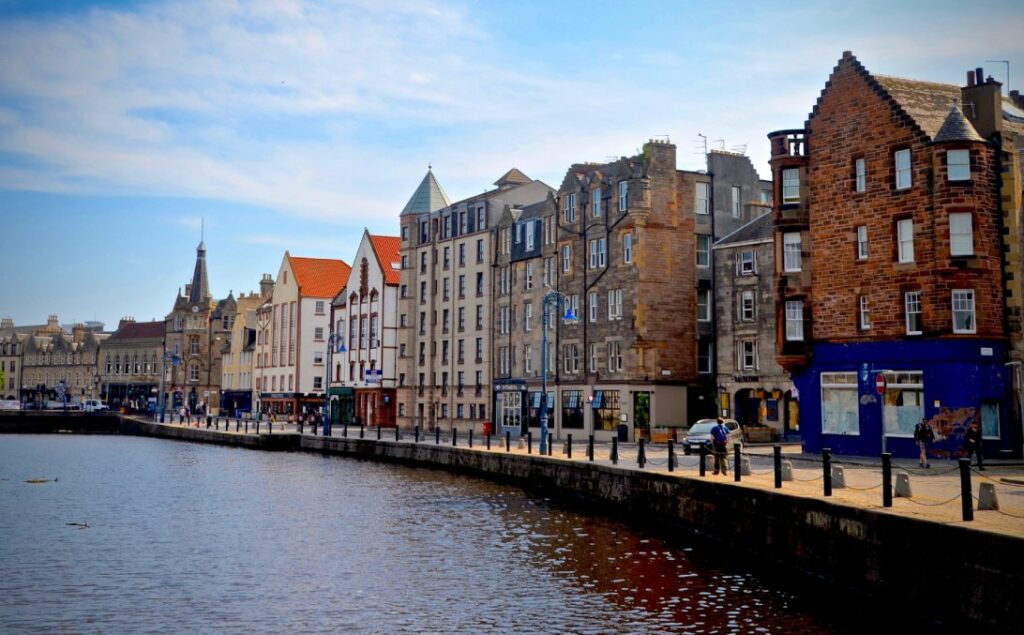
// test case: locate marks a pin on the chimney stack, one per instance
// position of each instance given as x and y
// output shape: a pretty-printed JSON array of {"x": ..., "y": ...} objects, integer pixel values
[
  {"x": 78, "y": 333},
  {"x": 970, "y": 79},
  {"x": 266, "y": 286},
  {"x": 127, "y": 319},
  {"x": 982, "y": 103},
  {"x": 7, "y": 323}
]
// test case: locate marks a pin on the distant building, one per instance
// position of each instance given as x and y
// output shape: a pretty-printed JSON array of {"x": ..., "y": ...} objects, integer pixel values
[
  {"x": 237, "y": 354},
  {"x": 755, "y": 390},
  {"x": 57, "y": 365},
  {"x": 12, "y": 345},
  {"x": 130, "y": 364},
  {"x": 897, "y": 235}
]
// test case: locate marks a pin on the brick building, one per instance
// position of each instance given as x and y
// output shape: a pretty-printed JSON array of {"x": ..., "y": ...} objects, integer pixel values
[{"x": 888, "y": 204}]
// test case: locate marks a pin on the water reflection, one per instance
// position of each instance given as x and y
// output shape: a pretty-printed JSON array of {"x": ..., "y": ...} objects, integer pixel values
[{"x": 194, "y": 537}]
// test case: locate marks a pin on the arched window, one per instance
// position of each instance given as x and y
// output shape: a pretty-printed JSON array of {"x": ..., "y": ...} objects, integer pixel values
[{"x": 136, "y": 363}]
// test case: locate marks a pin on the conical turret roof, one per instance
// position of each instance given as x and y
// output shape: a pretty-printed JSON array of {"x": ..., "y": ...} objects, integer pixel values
[
  {"x": 956, "y": 127},
  {"x": 428, "y": 197}
]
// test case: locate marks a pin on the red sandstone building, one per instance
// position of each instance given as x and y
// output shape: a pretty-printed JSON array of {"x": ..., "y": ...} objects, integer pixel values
[{"x": 897, "y": 213}]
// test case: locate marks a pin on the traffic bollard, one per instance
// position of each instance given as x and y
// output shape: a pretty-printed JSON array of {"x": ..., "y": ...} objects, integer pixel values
[
  {"x": 529, "y": 442},
  {"x": 455, "y": 437},
  {"x": 826, "y": 467},
  {"x": 641, "y": 458},
  {"x": 671, "y": 455},
  {"x": 378, "y": 433},
  {"x": 568, "y": 446},
  {"x": 437, "y": 435},
  {"x": 361, "y": 430},
  {"x": 590, "y": 447},
  {"x": 965, "y": 489},
  {"x": 551, "y": 444},
  {"x": 886, "y": 479},
  {"x": 703, "y": 460},
  {"x": 777, "y": 459},
  {"x": 471, "y": 437},
  {"x": 416, "y": 432},
  {"x": 508, "y": 441},
  {"x": 615, "y": 451},
  {"x": 736, "y": 452},
  {"x": 398, "y": 436}
]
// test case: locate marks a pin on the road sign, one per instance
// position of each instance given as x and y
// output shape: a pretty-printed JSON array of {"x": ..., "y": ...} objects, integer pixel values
[{"x": 880, "y": 383}]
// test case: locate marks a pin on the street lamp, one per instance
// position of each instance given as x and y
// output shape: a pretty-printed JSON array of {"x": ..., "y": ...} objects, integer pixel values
[
  {"x": 333, "y": 337},
  {"x": 167, "y": 357},
  {"x": 551, "y": 296}
]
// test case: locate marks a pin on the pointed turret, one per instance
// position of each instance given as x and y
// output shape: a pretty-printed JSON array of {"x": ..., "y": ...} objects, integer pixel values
[
  {"x": 199, "y": 290},
  {"x": 428, "y": 197},
  {"x": 956, "y": 127}
]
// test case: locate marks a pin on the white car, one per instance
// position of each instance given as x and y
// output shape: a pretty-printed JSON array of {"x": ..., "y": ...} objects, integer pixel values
[
  {"x": 94, "y": 405},
  {"x": 700, "y": 434}
]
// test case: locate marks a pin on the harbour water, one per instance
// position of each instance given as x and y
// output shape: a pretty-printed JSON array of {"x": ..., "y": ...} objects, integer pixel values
[{"x": 130, "y": 534}]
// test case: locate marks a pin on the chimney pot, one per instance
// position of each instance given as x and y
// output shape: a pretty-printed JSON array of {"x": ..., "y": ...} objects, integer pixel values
[
  {"x": 979, "y": 75},
  {"x": 970, "y": 78}
]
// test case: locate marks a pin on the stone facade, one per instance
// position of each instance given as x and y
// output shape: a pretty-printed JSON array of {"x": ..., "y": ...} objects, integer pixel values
[
  {"x": 130, "y": 363},
  {"x": 12, "y": 345},
  {"x": 53, "y": 359},
  {"x": 889, "y": 201},
  {"x": 237, "y": 355}
]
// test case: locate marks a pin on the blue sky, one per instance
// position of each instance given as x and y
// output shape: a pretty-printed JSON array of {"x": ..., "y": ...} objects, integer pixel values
[{"x": 294, "y": 125}]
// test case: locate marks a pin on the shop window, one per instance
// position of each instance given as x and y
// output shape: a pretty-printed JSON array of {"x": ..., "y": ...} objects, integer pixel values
[
  {"x": 903, "y": 407},
  {"x": 840, "y": 412},
  {"x": 572, "y": 409},
  {"x": 606, "y": 410}
]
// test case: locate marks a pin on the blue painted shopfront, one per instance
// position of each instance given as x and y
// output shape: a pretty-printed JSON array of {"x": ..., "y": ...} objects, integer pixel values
[{"x": 948, "y": 382}]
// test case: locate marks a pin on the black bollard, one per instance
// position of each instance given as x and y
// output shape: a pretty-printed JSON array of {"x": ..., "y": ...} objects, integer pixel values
[
  {"x": 455, "y": 437},
  {"x": 471, "y": 437},
  {"x": 590, "y": 448},
  {"x": 416, "y": 433},
  {"x": 314, "y": 430},
  {"x": 238, "y": 424},
  {"x": 247, "y": 426},
  {"x": 344, "y": 430},
  {"x": 208, "y": 423},
  {"x": 736, "y": 453},
  {"x": 437, "y": 435},
  {"x": 378, "y": 433},
  {"x": 641, "y": 457},
  {"x": 398, "y": 436},
  {"x": 551, "y": 444},
  {"x": 508, "y": 441},
  {"x": 568, "y": 446},
  {"x": 300, "y": 426},
  {"x": 886, "y": 479},
  {"x": 703, "y": 463},
  {"x": 965, "y": 489},
  {"x": 361, "y": 430},
  {"x": 671, "y": 456},
  {"x": 488, "y": 437},
  {"x": 777, "y": 458},
  {"x": 257, "y": 426},
  {"x": 529, "y": 442},
  {"x": 615, "y": 451},
  {"x": 826, "y": 466},
  {"x": 270, "y": 427}
]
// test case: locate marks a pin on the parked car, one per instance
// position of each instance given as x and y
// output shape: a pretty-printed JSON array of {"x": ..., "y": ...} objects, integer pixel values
[
  {"x": 700, "y": 434},
  {"x": 94, "y": 405}
]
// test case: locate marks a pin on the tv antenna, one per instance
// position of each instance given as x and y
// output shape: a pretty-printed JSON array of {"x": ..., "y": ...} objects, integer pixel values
[{"x": 1007, "y": 62}]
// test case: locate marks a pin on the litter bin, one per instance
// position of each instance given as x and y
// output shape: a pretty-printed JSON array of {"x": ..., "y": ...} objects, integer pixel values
[
  {"x": 487, "y": 428},
  {"x": 623, "y": 432}
]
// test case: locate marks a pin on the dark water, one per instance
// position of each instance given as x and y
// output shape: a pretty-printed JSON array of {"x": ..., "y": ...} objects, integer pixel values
[{"x": 199, "y": 538}]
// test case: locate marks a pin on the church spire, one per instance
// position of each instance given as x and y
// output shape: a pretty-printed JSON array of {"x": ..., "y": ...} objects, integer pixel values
[{"x": 199, "y": 292}]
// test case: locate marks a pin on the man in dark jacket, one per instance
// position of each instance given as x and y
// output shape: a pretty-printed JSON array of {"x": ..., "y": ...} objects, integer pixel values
[
  {"x": 720, "y": 446},
  {"x": 973, "y": 436},
  {"x": 923, "y": 435}
]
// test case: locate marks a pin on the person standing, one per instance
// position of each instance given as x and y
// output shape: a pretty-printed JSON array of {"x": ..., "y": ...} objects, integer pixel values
[
  {"x": 923, "y": 435},
  {"x": 720, "y": 446},
  {"x": 973, "y": 436}
]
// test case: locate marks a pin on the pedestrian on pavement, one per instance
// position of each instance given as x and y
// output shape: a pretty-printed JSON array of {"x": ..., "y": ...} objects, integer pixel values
[
  {"x": 720, "y": 446},
  {"x": 973, "y": 436},
  {"x": 923, "y": 435}
]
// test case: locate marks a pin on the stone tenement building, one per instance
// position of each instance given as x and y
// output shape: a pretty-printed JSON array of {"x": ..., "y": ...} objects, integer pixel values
[
  {"x": 55, "y": 360},
  {"x": 237, "y": 354},
  {"x": 195, "y": 333},
  {"x": 130, "y": 364},
  {"x": 897, "y": 199},
  {"x": 445, "y": 301},
  {"x": 755, "y": 389},
  {"x": 12, "y": 344}
]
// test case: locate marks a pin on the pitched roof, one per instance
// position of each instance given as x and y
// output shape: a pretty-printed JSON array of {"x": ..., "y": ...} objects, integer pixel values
[
  {"x": 428, "y": 197},
  {"x": 512, "y": 177},
  {"x": 139, "y": 330},
  {"x": 957, "y": 128},
  {"x": 319, "y": 277},
  {"x": 758, "y": 230},
  {"x": 926, "y": 102},
  {"x": 387, "y": 248}
]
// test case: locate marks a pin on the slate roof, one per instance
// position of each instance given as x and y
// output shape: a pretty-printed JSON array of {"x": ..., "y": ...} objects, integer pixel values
[
  {"x": 513, "y": 177},
  {"x": 927, "y": 103},
  {"x": 139, "y": 330},
  {"x": 957, "y": 128},
  {"x": 428, "y": 197},
  {"x": 386, "y": 248},
  {"x": 319, "y": 277},
  {"x": 759, "y": 229}
]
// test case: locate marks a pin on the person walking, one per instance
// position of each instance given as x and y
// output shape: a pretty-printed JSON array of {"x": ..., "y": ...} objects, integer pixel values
[
  {"x": 973, "y": 437},
  {"x": 923, "y": 435},
  {"x": 720, "y": 446}
]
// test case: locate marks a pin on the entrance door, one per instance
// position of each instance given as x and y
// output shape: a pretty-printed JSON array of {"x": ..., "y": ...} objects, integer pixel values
[{"x": 642, "y": 415}]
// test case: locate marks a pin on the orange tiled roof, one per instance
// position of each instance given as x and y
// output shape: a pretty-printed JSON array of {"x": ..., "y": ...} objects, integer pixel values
[
  {"x": 387, "y": 253},
  {"x": 320, "y": 277}
]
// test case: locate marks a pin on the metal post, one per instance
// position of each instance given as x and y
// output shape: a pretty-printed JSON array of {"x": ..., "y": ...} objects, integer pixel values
[
  {"x": 703, "y": 463},
  {"x": 671, "y": 455},
  {"x": 777, "y": 459},
  {"x": 361, "y": 429},
  {"x": 455, "y": 437},
  {"x": 529, "y": 442},
  {"x": 247, "y": 426},
  {"x": 416, "y": 431},
  {"x": 551, "y": 444},
  {"x": 826, "y": 466},
  {"x": 270, "y": 427},
  {"x": 397, "y": 434},
  {"x": 301, "y": 430},
  {"x": 641, "y": 458},
  {"x": 568, "y": 446},
  {"x": 378, "y": 433},
  {"x": 471, "y": 437},
  {"x": 257, "y": 426},
  {"x": 344, "y": 430},
  {"x": 590, "y": 448},
  {"x": 886, "y": 479},
  {"x": 615, "y": 451},
  {"x": 736, "y": 453},
  {"x": 965, "y": 489},
  {"x": 508, "y": 441}
]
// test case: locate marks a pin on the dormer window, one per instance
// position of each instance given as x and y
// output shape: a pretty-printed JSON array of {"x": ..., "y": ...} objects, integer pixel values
[{"x": 958, "y": 165}]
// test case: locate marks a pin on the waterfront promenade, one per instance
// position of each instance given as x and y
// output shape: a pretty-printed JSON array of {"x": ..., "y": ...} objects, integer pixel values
[{"x": 935, "y": 492}]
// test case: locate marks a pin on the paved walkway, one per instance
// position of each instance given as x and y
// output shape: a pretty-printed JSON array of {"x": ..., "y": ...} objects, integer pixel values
[{"x": 935, "y": 492}]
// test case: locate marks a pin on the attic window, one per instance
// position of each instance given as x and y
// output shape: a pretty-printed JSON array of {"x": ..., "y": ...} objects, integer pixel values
[{"x": 958, "y": 165}]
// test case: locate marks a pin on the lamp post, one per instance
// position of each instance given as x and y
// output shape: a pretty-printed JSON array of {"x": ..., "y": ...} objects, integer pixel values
[
  {"x": 340, "y": 338},
  {"x": 262, "y": 321},
  {"x": 551, "y": 296},
  {"x": 167, "y": 357}
]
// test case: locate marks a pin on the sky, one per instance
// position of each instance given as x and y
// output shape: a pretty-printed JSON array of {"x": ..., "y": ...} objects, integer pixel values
[{"x": 126, "y": 127}]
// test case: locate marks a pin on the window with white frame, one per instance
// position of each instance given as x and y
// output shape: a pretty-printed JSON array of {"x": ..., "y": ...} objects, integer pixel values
[
  {"x": 571, "y": 358},
  {"x": 570, "y": 207},
  {"x": 528, "y": 282},
  {"x": 319, "y": 308},
  {"x": 595, "y": 205},
  {"x": 840, "y": 407},
  {"x": 598, "y": 253},
  {"x": 861, "y": 179},
  {"x": 703, "y": 250},
  {"x": 530, "y": 226},
  {"x": 701, "y": 199},
  {"x": 958, "y": 165},
  {"x": 747, "y": 355},
  {"x": 574, "y": 304},
  {"x": 791, "y": 185},
  {"x": 623, "y": 195},
  {"x": 794, "y": 320},
  {"x": 865, "y": 313},
  {"x": 904, "y": 178},
  {"x": 862, "y": 242},
  {"x": 627, "y": 248},
  {"x": 961, "y": 234},
  {"x": 318, "y": 383},
  {"x": 615, "y": 304},
  {"x": 791, "y": 251},
  {"x": 566, "y": 257},
  {"x": 592, "y": 304},
  {"x": 528, "y": 359},
  {"x": 318, "y": 333},
  {"x": 592, "y": 363},
  {"x": 746, "y": 262},
  {"x": 614, "y": 356},
  {"x": 703, "y": 305},
  {"x": 912, "y": 311},
  {"x": 747, "y": 310},
  {"x": 905, "y": 236},
  {"x": 318, "y": 357},
  {"x": 736, "y": 205},
  {"x": 963, "y": 311}
]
